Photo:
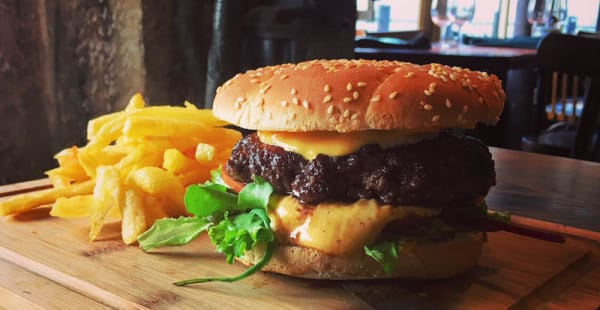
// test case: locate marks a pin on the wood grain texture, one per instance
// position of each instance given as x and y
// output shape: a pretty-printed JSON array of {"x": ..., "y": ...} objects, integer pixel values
[
  {"x": 23, "y": 289},
  {"x": 553, "y": 189},
  {"x": 24, "y": 91}
]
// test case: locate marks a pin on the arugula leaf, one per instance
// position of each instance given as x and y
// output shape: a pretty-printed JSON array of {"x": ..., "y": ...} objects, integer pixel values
[
  {"x": 255, "y": 195},
  {"x": 385, "y": 253},
  {"x": 500, "y": 216},
  {"x": 172, "y": 232},
  {"x": 250, "y": 271},
  {"x": 234, "y": 237},
  {"x": 235, "y": 223},
  {"x": 209, "y": 199}
]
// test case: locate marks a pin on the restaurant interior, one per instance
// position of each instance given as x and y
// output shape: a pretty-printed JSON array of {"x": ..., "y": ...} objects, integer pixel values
[
  {"x": 85, "y": 60},
  {"x": 81, "y": 185}
]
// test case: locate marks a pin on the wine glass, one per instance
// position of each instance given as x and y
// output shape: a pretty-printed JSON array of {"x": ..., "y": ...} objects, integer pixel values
[
  {"x": 461, "y": 12},
  {"x": 440, "y": 17}
]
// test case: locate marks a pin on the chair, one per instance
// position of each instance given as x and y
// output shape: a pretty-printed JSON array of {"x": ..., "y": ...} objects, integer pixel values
[{"x": 567, "y": 98}]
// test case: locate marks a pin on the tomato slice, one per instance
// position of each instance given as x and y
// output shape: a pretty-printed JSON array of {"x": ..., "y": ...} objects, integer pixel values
[{"x": 236, "y": 186}]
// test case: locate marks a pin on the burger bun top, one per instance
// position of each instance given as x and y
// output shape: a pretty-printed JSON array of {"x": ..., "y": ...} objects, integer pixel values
[{"x": 355, "y": 95}]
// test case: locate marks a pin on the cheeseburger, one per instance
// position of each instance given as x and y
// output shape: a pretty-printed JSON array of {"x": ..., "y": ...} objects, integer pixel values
[{"x": 362, "y": 154}]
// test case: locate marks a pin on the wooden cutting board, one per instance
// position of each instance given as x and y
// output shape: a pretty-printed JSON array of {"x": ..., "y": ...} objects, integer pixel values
[{"x": 513, "y": 271}]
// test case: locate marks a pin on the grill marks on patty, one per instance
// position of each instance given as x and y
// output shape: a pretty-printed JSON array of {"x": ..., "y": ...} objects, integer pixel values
[{"x": 447, "y": 170}]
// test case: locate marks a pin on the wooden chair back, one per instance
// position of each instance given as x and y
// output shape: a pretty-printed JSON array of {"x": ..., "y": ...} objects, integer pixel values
[{"x": 569, "y": 79}]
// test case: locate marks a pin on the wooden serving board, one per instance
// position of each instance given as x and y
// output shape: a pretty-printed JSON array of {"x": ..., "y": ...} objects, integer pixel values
[{"x": 43, "y": 257}]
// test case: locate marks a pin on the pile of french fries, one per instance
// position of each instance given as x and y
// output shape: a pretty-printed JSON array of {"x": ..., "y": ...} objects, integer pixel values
[{"x": 135, "y": 167}]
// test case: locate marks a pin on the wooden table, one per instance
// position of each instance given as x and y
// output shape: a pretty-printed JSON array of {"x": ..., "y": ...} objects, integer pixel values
[
  {"x": 512, "y": 65},
  {"x": 48, "y": 263}
]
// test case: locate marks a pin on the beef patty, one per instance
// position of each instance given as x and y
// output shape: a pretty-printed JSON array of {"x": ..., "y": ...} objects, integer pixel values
[{"x": 447, "y": 170}]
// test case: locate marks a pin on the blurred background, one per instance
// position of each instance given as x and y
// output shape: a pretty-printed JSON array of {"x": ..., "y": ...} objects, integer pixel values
[{"x": 63, "y": 62}]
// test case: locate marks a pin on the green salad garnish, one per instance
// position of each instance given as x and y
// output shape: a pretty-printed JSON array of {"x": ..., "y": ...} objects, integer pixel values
[{"x": 235, "y": 223}]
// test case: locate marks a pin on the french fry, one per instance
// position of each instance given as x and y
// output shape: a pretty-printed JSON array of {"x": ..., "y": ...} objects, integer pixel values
[
  {"x": 142, "y": 156},
  {"x": 154, "y": 208},
  {"x": 135, "y": 167},
  {"x": 158, "y": 182},
  {"x": 176, "y": 162},
  {"x": 28, "y": 201},
  {"x": 73, "y": 207},
  {"x": 141, "y": 126},
  {"x": 194, "y": 176},
  {"x": 205, "y": 152},
  {"x": 108, "y": 194},
  {"x": 59, "y": 181},
  {"x": 133, "y": 216},
  {"x": 78, "y": 206},
  {"x": 136, "y": 102}
]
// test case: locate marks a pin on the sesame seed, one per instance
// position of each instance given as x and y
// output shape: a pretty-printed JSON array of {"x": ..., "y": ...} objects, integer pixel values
[
  {"x": 435, "y": 118},
  {"x": 349, "y": 87},
  {"x": 422, "y": 102},
  {"x": 355, "y": 95},
  {"x": 327, "y": 99},
  {"x": 428, "y": 107},
  {"x": 330, "y": 110},
  {"x": 427, "y": 92},
  {"x": 295, "y": 101},
  {"x": 253, "y": 81},
  {"x": 283, "y": 77},
  {"x": 354, "y": 116},
  {"x": 346, "y": 113},
  {"x": 284, "y": 103},
  {"x": 228, "y": 83},
  {"x": 240, "y": 99},
  {"x": 393, "y": 95},
  {"x": 219, "y": 89},
  {"x": 375, "y": 98},
  {"x": 265, "y": 89},
  {"x": 432, "y": 87},
  {"x": 448, "y": 103},
  {"x": 305, "y": 104},
  {"x": 332, "y": 120},
  {"x": 361, "y": 84},
  {"x": 237, "y": 105},
  {"x": 409, "y": 75},
  {"x": 444, "y": 78},
  {"x": 293, "y": 91},
  {"x": 326, "y": 88},
  {"x": 347, "y": 99}
]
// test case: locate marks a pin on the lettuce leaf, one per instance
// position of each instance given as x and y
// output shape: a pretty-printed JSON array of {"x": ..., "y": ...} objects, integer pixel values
[
  {"x": 173, "y": 232},
  {"x": 385, "y": 253},
  {"x": 235, "y": 223}
]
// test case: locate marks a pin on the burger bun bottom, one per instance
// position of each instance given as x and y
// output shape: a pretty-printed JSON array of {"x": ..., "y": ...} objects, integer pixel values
[{"x": 418, "y": 260}]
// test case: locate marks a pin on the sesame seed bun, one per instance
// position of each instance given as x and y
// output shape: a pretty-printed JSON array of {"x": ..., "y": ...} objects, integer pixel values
[
  {"x": 354, "y": 95},
  {"x": 418, "y": 260}
]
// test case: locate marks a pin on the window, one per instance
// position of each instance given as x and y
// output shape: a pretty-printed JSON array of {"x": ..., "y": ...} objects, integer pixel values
[
  {"x": 493, "y": 18},
  {"x": 388, "y": 15}
]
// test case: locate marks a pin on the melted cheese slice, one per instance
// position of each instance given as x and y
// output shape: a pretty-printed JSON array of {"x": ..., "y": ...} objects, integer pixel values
[
  {"x": 311, "y": 144},
  {"x": 335, "y": 228}
]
